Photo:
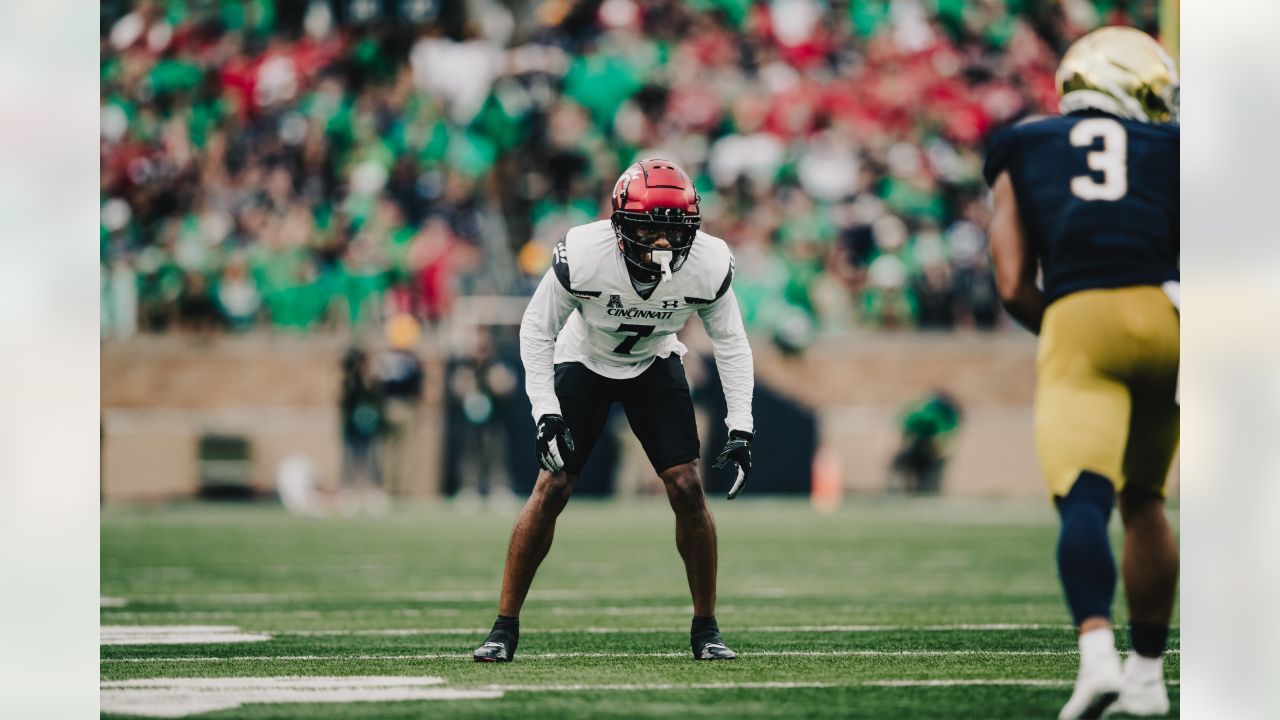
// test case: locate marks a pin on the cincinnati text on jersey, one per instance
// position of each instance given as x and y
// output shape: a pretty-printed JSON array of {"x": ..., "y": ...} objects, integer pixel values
[{"x": 633, "y": 313}]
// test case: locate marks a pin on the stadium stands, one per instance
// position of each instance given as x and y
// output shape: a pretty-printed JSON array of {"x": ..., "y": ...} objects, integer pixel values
[{"x": 321, "y": 164}]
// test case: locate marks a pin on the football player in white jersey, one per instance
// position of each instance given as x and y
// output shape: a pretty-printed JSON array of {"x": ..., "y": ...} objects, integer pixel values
[{"x": 601, "y": 328}]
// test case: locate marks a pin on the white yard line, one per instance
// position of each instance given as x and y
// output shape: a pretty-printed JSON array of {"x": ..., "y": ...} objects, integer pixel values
[
  {"x": 301, "y": 682},
  {"x": 463, "y": 656},
  {"x": 256, "y": 598},
  {"x": 962, "y": 683},
  {"x": 780, "y": 685},
  {"x": 175, "y": 635},
  {"x": 305, "y": 614},
  {"x": 750, "y": 628},
  {"x": 389, "y": 632},
  {"x": 777, "y": 685},
  {"x": 112, "y": 602},
  {"x": 181, "y": 697}
]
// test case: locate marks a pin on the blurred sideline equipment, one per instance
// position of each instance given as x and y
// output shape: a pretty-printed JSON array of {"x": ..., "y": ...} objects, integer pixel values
[
  {"x": 827, "y": 491},
  {"x": 1090, "y": 200},
  {"x": 601, "y": 328},
  {"x": 224, "y": 466},
  {"x": 297, "y": 483}
]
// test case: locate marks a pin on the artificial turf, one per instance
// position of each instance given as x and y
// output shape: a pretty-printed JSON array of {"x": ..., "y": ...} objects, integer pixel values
[{"x": 882, "y": 591}]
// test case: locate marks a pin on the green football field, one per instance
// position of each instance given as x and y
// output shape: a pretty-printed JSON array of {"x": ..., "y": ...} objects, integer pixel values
[{"x": 891, "y": 608}]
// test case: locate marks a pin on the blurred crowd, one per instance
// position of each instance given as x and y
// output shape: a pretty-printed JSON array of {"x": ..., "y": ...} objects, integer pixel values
[{"x": 324, "y": 164}]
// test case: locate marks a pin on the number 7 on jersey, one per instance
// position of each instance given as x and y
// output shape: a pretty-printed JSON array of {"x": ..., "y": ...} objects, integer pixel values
[{"x": 639, "y": 331}]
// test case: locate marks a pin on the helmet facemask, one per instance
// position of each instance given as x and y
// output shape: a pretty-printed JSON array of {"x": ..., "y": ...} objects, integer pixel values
[{"x": 636, "y": 232}]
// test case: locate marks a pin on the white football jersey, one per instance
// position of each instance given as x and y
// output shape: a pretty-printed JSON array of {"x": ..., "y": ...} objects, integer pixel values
[{"x": 587, "y": 306}]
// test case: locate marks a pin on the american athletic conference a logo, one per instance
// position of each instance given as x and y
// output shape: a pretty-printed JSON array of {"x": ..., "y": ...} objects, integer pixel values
[{"x": 615, "y": 301}]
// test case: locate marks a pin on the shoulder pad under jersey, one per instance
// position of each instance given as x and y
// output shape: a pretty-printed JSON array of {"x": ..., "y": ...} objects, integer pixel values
[
  {"x": 711, "y": 259},
  {"x": 1000, "y": 149},
  {"x": 579, "y": 257}
]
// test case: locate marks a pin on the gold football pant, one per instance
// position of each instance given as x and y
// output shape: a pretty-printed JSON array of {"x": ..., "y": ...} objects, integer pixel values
[{"x": 1107, "y": 371}]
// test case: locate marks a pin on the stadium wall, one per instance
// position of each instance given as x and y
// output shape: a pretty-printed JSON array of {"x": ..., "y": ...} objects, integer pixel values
[{"x": 161, "y": 394}]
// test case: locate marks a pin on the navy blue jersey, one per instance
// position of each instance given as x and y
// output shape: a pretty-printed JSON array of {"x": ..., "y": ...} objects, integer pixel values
[{"x": 1098, "y": 198}]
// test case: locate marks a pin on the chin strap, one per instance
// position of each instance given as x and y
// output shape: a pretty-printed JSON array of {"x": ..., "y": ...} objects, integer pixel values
[{"x": 663, "y": 258}]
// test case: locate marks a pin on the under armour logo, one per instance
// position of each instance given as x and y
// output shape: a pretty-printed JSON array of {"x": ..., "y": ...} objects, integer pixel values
[
  {"x": 668, "y": 304},
  {"x": 615, "y": 301}
]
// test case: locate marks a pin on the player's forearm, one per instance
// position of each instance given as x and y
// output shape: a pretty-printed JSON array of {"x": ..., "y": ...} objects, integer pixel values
[
  {"x": 737, "y": 378},
  {"x": 1025, "y": 304},
  {"x": 723, "y": 321},
  {"x": 538, "y": 356},
  {"x": 1013, "y": 257},
  {"x": 542, "y": 321}
]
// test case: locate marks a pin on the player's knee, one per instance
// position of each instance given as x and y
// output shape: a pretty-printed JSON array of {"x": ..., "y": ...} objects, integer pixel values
[
  {"x": 554, "y": 488},
  {"x": 684, "y": 487},
  {"x": 1138, "y": 505},
  {"x": 1089, "y": 501}
]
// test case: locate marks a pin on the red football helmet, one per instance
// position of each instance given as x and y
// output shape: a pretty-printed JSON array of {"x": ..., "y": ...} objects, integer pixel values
[{"x": 655, "y": 196}]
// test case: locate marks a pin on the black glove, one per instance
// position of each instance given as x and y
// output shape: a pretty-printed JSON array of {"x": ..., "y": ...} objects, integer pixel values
[
  {"x": 737, "y": 450},
  {"x": 554, "y": 443}
]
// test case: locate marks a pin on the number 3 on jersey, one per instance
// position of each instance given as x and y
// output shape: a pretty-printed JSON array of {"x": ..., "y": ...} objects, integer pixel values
[
  {"x": 1111, "y": 160},
  {"x": 637, "y": 331}
]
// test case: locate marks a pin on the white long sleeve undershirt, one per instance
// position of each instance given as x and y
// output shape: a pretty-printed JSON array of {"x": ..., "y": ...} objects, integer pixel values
[
  {"x": 723, "y": 321},
  {"x": 546, "y": 314}
]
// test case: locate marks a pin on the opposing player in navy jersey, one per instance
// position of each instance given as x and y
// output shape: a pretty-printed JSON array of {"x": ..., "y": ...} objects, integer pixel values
[
  {"x": 1089, "y": 202},
  {"x": 601, "y": 329}
]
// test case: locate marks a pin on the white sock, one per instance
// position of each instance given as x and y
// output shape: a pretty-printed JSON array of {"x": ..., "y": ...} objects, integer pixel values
[
  {"x": 1097, "y": 643},
  {"x": 1145, "y": 667}
]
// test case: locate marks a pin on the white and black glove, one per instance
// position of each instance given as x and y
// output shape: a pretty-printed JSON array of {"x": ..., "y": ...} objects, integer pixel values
[
  {"x": 737, "y": 450},
  {"x": 554, "y": 443}
]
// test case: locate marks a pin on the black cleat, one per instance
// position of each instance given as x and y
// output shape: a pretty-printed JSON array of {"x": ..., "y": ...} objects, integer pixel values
[
  {"x": 493, "y": 651},
  {"x": 705, "y": 639},
  {"x": 713, "y": 649},
  {"x": 500, "y": 646}
]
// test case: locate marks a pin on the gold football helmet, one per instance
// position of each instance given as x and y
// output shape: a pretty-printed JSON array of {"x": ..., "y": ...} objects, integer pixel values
[{"x": 1120, "y": 70}]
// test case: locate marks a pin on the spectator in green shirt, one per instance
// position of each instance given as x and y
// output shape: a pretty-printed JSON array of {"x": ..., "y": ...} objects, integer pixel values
[{"x": 927, "y": 426}]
